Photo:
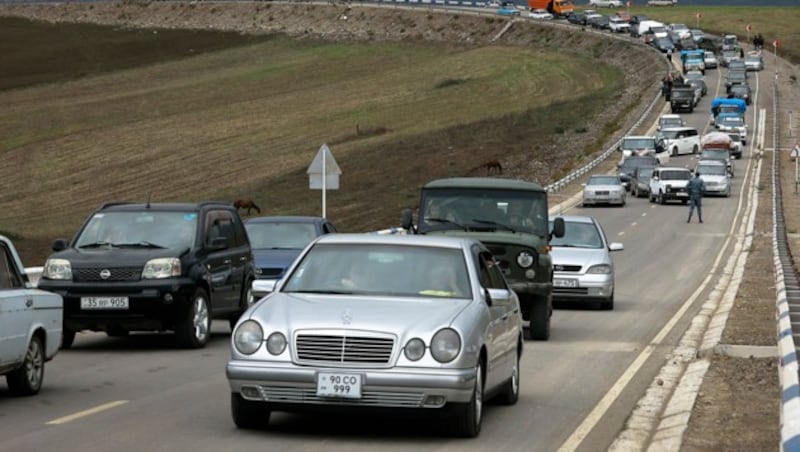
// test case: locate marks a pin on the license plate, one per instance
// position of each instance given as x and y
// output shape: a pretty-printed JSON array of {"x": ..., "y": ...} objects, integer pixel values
[
  {"x": 104, "y": 302},
  {"x": 339, "y": 384},
  {"x": 565, "y": 282}
]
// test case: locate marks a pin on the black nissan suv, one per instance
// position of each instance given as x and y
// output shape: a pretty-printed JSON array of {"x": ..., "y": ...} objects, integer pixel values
[{"x": 153, "y": 267}]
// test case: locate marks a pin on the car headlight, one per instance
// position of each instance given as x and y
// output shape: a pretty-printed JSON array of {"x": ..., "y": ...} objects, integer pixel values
[
  {"x": 524, "y": 259},
  {"x": 276, "y": 343},
  {"x": 602, "y": 269},
  {"x": 248, "y": 337},
  {"x": 445, "y": 345},
  {"x": 415, "y": 349},
  {"x": 163, "y": 267},
  {"x": 57, "y": 269}
]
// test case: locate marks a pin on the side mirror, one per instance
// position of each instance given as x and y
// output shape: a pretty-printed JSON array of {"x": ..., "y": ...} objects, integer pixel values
[
  {"x": 263, "y": 287},
  {"x": 60, "y": 244},
  {"x": 497, "y": 296},
  {"x": 654, "y": 177},
  {"x": 558, "y": 228},
  {"x": 407, "y": 219},
  {"x": 615, "y": 246}
]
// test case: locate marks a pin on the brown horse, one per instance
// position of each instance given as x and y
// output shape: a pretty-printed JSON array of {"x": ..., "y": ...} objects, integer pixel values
[
  {"x": 246, "y": 203},
  {"x": 492, "y": 166}
]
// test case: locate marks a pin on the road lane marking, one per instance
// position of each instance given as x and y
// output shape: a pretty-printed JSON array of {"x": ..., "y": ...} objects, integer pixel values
[
  {"x": 89, "y": 412},
  {"x": 620, "y": 234},
  {"x": 634, "y": 224},
  {"x": 590, "y": 421}
]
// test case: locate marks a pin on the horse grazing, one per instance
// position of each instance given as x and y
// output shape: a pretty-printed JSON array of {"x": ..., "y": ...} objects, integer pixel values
[
  {"x": 492, "y": 166},
  {"x": 246, "y": 203}
]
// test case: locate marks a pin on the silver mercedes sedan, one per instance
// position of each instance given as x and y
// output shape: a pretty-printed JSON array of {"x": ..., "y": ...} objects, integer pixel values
[{"x": 362, "y": 322}]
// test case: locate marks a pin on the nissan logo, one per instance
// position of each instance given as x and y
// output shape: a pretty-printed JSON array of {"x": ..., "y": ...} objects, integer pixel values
[{"x": 105, "y": 273}]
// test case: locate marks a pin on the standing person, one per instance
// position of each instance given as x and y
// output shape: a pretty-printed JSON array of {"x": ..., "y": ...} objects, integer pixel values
[
  {"x": 669, "y": 55},
  {"x": 696, "y": 188}
]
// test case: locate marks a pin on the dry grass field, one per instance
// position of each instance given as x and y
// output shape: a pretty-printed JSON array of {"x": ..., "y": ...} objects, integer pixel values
[{"x": 247, "y": 121}]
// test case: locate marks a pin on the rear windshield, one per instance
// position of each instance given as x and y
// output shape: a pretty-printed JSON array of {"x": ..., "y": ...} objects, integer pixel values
[
  {"x": 713, "y": 170},
  {"x": 638, "y": 143}
]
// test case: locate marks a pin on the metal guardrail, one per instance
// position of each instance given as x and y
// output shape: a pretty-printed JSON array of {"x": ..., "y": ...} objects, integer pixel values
[{"x": 787, "y": 288}]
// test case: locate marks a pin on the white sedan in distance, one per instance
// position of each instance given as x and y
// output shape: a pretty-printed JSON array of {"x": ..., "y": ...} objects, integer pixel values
[
  {"x": 604, "y": 189},
  {"x": 540, "y": 14}
]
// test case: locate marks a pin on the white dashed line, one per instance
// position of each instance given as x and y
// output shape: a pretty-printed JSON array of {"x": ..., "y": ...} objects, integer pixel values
[{"x": 89, "y": 412}]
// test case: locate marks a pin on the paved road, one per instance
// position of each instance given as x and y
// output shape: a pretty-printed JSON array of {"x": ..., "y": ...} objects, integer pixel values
[{"x": 137, "y": 393}]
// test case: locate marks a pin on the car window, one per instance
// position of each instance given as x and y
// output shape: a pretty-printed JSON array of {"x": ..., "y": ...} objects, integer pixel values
[
  {"x": 603, "y": 180},
  {"x": 9, "y": 277},
  {"x": 381, "y": 269},
  {"x": 715, "y": 170},
  {"x": 491, "y": 276},
  {"x": 675, "y": 175},
  {"x": 638, "y": 143},
  {"x": 146, "y": 228},
  {"x": 280, "y": 235},
  {"x": 578, "y": 235}
]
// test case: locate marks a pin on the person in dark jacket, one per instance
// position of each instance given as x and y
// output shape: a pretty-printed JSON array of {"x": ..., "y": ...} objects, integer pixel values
[{"x": 696, "y": 188}]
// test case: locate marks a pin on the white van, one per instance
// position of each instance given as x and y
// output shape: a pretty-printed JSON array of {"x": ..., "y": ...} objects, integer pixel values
[{"x": 646, "y": 25}]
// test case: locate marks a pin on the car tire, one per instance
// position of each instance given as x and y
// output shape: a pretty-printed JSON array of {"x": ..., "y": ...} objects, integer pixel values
[
  {"x": 468, "y": 417},
  {"x": 67, "y": 338},
  {"x": 509, "y": 395},
  {"x": 194, "y": 329},
  {"x": 27, "y": 380},
  {"x": 695, "y": 149},
  {"x": 247, "y": 414},
  {"x": 684, "y": 201},
  {"x": 245, "y": 301},
  {"x": 540, "y": 313},
  {"x": 660, "y": 199},
  {"x": 608, "y": 304},
  {"x": 674, "y": 152}
]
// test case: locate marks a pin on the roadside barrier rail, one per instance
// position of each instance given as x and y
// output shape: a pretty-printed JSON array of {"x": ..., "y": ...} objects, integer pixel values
[{"x": 787, "y": 287}]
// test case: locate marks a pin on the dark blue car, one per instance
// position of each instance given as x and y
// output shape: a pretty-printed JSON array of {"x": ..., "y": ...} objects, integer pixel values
[{"x": 276, "y": 241}]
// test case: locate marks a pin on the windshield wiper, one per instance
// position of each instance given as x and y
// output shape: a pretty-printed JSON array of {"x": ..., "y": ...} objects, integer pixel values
[
  {"x": 142, "y": 244},
  {"x": 494, "y": 223},
  {"x": 97, "y": 244},
  {"x": 444, "y": 220},
  {"x": 324, "y": 291}
]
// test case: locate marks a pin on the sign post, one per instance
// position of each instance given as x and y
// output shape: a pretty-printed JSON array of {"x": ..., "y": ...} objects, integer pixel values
[
  {"x": 749, "y": 29},
  {"x": 698, "y": 16},
  {"x": 775, "y": 44},
  {"x": 323, "y": 174}
]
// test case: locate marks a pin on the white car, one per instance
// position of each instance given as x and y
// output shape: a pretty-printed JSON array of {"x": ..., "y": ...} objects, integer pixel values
[
  {"x": 734, "y": 124},
  {"x": 681, "y": 29},
  {"x": 669, "y": 120},
  {"x": 30, "y": 325},
  {"x": 669, "y": 184},
  {"x": 605, "y": 4},
  {"x": 619, "y": 25},
  {"x": 604, "y": 189},
  {"x": 679, "y": 140},
  {"x": 710, "y": 59},
  {"x": 540, "y": 14},
  {"x": 715, "y": 177}
]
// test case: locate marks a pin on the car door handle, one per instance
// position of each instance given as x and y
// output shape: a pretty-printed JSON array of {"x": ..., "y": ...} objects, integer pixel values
[{"x": 29, "y": 302}]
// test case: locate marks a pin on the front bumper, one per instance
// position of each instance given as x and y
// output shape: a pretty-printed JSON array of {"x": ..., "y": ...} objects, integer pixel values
[
  {"x": 582, "y": 287},
  {"x": 716, "y": 189},
  {"x": 152, "y": 304},
  {"x": 612, "y": 198},
  {"x": 289, "y": 385}
]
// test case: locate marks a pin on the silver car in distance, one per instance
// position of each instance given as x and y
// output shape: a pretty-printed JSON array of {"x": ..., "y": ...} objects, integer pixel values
[{"x": 380, "y": 322}]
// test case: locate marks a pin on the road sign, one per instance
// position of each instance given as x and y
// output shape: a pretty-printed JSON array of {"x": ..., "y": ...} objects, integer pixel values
[
  {"x": 323, "y": 174},
  {"x": 749, "y": 27},
  {"x": 699, "y": 15},
  {"x": 776, "y": 43},
  {"x": 323, "y": 164}
]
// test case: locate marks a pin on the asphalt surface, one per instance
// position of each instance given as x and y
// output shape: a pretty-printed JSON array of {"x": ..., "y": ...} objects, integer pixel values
[{"x": 143, "y": 393}]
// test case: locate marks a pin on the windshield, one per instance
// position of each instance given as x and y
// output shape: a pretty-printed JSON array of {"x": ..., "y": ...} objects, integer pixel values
[
  {"x": 730, "y": 54},
  {"x": 632, "y": 163},
  {"x": 603, "y": 180},
  {"x": 579, "y": 235},
  {"x": 736, "y": 75},
  {"x": 484, "y": 210},
  {"x": 382, "y": 269},
  {"x": 728, "y": 109},
  {"x": 715, "y": 154},
  {"x": 732, "y": 121},
  {"x": 644, "y": 173},
  {"x": 739, "y": 89},
  {"x": 280, "y": 235},
  {"x": 667, "y": 122},
  {"x": 154, "y": 229},
  {"x": 638, "y": 143},
  {"x": 752, "y": 59},
  {"x": 711, "y": 170},
  {"x": 670, "y": 134},
  {"x": 676, "y": 175}
]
